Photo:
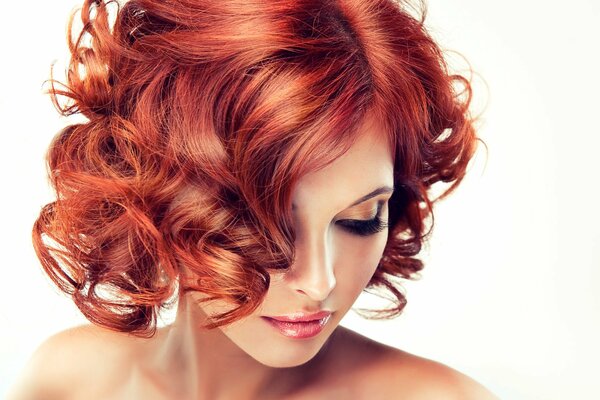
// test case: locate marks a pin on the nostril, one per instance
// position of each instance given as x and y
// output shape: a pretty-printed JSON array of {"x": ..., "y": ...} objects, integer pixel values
[{"x": 317, "y": 290}]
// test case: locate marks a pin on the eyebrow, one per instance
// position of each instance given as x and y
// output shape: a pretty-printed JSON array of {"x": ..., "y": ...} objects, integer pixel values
[{"x": 378, "y": 191}]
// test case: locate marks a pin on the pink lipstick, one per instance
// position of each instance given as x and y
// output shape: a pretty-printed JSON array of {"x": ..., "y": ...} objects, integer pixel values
[{"x": 300, "y": 325}]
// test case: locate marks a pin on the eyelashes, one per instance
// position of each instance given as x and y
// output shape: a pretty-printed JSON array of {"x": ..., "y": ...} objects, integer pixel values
[{"x": 365, "y": 228}]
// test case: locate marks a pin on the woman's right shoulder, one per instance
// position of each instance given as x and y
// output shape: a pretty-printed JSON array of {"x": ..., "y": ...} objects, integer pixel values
[{"x": 72, "y": 361}]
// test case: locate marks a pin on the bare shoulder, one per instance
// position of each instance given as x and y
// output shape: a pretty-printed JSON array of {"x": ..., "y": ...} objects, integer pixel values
[
  {"x": 389, "y": 372},
  {"x": 73, "y": 360},
  {"x": 421, "y": 378}
]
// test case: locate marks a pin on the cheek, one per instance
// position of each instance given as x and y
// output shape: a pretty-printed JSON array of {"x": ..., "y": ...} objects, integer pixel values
[{"x": 357, "y": 260}]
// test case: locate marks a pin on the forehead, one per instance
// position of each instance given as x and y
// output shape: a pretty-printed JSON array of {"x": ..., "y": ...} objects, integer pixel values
[{"x": 367, "y": 165}]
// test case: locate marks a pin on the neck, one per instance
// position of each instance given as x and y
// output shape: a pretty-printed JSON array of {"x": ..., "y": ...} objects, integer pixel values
[{"x": 207, "y": 364}]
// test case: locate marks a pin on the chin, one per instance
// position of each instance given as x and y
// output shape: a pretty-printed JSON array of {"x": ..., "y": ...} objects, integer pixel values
[
  {"x": 284, "y": 355},
  {"x": 284, "y": 359}
]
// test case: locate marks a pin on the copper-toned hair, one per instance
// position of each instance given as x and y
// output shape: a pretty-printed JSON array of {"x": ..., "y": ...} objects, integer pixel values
[{"x": 201, "y": 117}]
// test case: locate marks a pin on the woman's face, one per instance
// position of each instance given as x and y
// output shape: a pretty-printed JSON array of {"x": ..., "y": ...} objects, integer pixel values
[{"x": 333, "y": 263}]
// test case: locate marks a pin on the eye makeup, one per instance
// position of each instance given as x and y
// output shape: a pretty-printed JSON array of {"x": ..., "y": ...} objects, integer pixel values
[{"x": 365, "y": 227}]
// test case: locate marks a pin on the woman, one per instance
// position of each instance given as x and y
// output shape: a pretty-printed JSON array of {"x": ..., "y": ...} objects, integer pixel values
[{"x": 261, "y": 164}]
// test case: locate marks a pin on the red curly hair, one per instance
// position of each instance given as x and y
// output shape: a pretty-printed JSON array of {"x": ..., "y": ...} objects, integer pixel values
[{"x": 202, "y": 115}]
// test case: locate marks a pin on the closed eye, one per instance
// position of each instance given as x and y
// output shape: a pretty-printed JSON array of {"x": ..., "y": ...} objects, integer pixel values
[{"x": 365, "y": 227}]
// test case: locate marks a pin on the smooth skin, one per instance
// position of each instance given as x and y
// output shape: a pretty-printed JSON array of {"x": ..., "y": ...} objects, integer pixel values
[{"x": 250, "y": 359}]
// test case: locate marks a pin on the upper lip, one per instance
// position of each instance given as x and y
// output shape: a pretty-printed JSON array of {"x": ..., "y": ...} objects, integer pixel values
[{"x": 301, "y": 316}]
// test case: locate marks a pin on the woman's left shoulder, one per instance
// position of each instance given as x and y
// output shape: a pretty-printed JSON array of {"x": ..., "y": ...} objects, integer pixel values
[
  {"x": 415, "y": 377},
  {"x": 389, "y": 373}
]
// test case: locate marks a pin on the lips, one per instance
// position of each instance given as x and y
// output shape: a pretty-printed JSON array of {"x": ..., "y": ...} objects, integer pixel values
[
  {"x": 300, "y": 325},
  {"x": 302, "y": 317}
]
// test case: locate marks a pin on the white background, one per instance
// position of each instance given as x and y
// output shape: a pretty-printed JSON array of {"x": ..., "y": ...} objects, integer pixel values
[{"x": 508, "y": 295}]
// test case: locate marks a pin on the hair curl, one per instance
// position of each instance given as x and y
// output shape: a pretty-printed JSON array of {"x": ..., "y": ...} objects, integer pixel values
[{"x": 202, "y": 115}]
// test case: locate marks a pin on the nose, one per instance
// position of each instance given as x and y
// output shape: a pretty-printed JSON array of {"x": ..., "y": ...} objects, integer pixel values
[{"x": 312, "y": 273}]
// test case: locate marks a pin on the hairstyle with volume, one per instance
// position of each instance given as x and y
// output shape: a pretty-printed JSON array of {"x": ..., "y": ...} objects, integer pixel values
[{"x": 201, "y": 115}]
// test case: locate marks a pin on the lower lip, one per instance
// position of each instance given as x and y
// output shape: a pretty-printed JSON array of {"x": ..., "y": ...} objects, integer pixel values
[{"x": 299, "y": 330}]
